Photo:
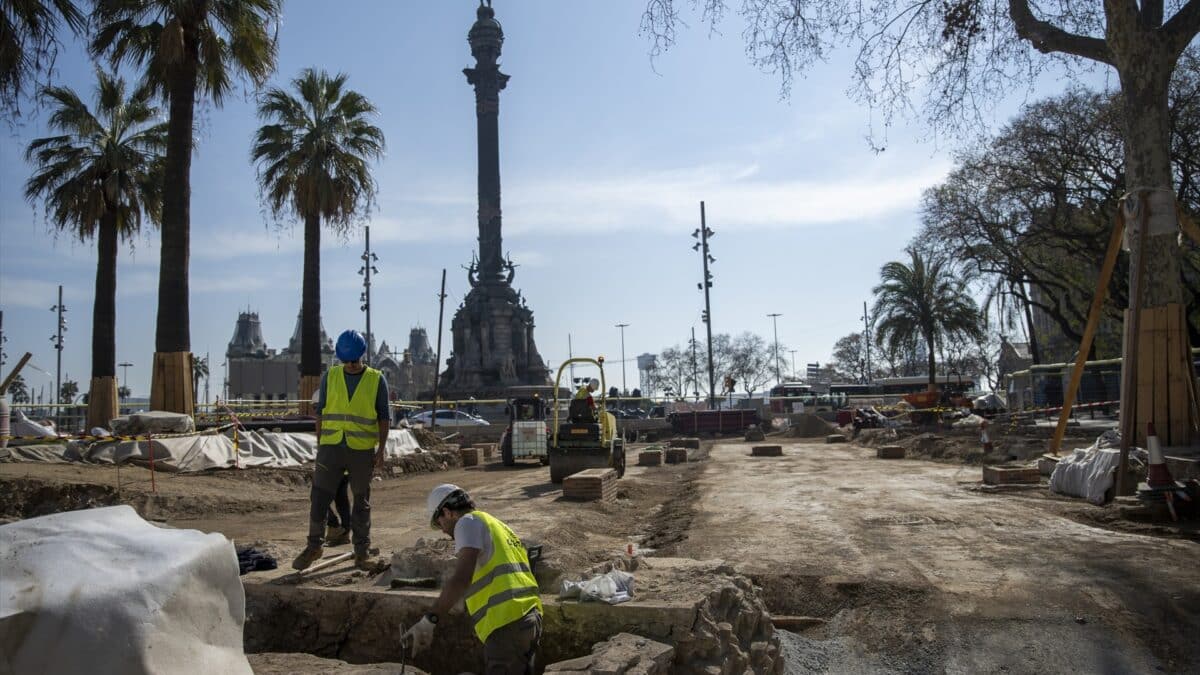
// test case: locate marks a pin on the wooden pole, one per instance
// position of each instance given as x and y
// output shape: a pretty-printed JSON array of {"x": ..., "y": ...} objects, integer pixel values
[
  {"x": 1129, "y": 364},
  {"x": 15, "y": 371},
  {"x": 1089, "y": 332}
]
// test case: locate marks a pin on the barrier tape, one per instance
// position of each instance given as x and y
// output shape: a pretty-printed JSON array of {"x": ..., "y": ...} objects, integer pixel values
[{"x": 87, "y": 437}]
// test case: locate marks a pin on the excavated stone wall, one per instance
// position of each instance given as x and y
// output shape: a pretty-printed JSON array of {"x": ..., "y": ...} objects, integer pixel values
[{"x": 710, "y": 615}]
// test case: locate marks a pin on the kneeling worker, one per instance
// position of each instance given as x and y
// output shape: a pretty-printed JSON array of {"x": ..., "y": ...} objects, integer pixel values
[{"x": 492, "y": 572}]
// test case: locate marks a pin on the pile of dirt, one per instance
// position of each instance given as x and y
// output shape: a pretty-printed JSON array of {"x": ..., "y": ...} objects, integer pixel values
[
  {"x": 424, "y": 559},
  {"x": 810, "y": 426},
  {"x": 421, "y": 462},
  {"x": 429, "y": 441},
  {"x": 29, "y": 498}
]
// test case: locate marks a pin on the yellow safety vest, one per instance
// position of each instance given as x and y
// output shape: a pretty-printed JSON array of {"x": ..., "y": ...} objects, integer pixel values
[
  {"x": 583, "y": 392},
  {"x": 353, "y": 419},
  {"x": 503, "y": 590}
]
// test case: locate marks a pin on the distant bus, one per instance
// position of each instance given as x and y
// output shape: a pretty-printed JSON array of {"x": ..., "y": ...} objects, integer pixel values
[
  {"x": 785, "y": 397},
  {"x": 792, "y": 397},
  {"x": 951, "y": 385}
]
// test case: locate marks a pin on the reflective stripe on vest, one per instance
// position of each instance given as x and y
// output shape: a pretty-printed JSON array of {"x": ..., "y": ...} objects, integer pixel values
[
  {"x": 351, "y": 419},
  {"x": 503, "y": 590}
]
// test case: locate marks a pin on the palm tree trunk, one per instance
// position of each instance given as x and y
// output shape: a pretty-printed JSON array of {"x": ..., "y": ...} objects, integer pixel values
[
  {"x": 171, "y": 388},
  {"x": 310, "y": 311},
  {"x": 930, "y": 360},
  {"x": 102, "y": 399}
]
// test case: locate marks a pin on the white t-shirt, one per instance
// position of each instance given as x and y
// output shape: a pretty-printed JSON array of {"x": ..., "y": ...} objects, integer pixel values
[{"x": 471, "y": 532}]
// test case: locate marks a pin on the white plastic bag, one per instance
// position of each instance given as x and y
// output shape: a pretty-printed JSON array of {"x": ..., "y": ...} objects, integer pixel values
[{"x": 612, "y": 587}]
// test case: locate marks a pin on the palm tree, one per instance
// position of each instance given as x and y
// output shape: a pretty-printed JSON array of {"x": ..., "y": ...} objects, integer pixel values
[
  {"x": 189, "y": 48},
  {"x": 199, "y": 372},
  {"x": 98, "y": 178},
  {"x": 926, "y": 298},
  {"x": 313, "y": 162},
  {"x": 29, "y": 41}
]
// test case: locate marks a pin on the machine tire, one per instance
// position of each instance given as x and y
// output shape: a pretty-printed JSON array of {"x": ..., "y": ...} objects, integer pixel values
[
  {"x": 619, "y": 458},
  {"x": 557, "y": 472},
  {"x": 506, "y": 451}
]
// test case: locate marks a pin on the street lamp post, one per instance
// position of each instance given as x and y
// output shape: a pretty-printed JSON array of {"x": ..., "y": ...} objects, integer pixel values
[
  {"x": 775, "y": 328},
  {"x": 702, "y": 235},
  {"x": 124, "y": 366},
  {"x": 624, "y": 390},
  {"x": 57, "y": 340},
  {"x": 793, "y": 352}
]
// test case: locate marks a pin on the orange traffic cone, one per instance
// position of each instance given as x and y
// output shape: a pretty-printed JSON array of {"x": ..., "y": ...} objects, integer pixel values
[
  {"x": 984, "y": 438},
  {"x": 1158, "y": 475}
]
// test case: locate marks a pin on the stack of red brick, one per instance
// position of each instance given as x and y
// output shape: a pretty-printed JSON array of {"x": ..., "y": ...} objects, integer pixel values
[{"x": 591, "y": 485}]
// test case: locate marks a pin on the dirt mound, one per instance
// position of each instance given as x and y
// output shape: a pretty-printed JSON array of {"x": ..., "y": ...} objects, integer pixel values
[
  {"x": 427, "y": 558},
  {"x": 421, "y": 462},
  {"x": 427, "y": 439},
  {"x": 810, "y": 426},
  {"x": 30, "y": 498}
]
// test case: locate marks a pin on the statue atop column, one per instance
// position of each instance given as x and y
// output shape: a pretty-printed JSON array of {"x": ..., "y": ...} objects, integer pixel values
[{"x": 493, "y": 329}]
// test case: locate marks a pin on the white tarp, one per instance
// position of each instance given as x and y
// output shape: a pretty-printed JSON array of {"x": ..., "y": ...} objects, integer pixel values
[
  {"x": 102, "y": 591},
  {"x": 23, "y": 426},
  {"x": 202, "y": 452},
  {"x": 1089, "y": 472}
]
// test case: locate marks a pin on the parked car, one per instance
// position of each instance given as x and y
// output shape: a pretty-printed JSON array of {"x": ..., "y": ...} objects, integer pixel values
[{"x": 448, "y": 418}]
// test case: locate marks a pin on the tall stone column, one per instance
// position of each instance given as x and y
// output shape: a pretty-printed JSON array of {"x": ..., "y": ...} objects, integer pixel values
[{"x": 486, "y": 38}]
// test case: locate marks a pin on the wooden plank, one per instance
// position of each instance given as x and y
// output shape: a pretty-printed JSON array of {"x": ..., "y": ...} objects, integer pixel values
[
  {"x": 1145, "y": 378},
  {"x": 1162, "y": 411},
  {"x": 1089, "y": 333},
  {"x": 1176, "y": 385},
  {"x": 1129, "y": 351}
]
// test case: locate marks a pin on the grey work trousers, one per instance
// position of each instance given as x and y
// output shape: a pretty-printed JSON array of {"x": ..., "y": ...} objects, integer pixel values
[
  {"x": 334, "y": 461},
  {"x": 510, "y": 649}
]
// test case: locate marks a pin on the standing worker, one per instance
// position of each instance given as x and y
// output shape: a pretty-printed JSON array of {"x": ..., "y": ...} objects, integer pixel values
[
  {"x": 352, "y": 421},
  {"x": 493, "y": 573}
]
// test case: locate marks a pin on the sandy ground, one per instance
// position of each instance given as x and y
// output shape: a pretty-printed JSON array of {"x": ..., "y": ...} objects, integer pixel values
[
  {"x": 916, "y": 570},
  {"x": 912, "y": 567}
]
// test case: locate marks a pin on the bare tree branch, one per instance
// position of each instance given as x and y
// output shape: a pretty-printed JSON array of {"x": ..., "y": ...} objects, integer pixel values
[
  {"x": 1046, "y": 37},
  {"x": 1182, "y": 27}
]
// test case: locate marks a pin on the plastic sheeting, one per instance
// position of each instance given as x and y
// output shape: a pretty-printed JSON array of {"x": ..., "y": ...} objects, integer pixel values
[
  {"x": 1090, "y": 472},
  {"x": 203, "y": 452},
  {"x": 102, "y": 591}
]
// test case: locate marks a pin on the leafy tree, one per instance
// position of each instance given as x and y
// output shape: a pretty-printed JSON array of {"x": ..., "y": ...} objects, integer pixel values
[
  {"x": 1031, "y": 209},
  {"x": 68, "y": 392},
  {"x": 925, "y": 298},
  {"x": 29, "y": 43},
  {"x": 959, "y": 54},
  {"x": 189, "y": 49},
  {"x": 313, "y": 160},
  {"x": 123, "y": 392},
  {"x": 19, "y": 390},
  {"x": 99, "y": 177}
]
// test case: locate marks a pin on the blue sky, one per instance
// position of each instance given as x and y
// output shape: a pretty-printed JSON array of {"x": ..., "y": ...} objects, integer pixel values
[{"x": 605, "y": 157}]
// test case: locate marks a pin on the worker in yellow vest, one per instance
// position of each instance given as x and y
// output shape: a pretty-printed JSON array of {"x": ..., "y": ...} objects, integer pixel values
[
  {"x": 492, "y": 573},
  {"x": 352, "y": 432}
]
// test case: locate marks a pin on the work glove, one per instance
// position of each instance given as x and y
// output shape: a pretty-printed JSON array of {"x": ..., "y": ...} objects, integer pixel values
[{"x": 421, "y": 634}]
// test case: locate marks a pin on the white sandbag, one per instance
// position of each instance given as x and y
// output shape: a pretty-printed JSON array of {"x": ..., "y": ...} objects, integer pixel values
[
  {"x": 971, "y": 421},
  {"x": 1086, "y": 472},
  {"x": 23, "y": 426},
  {"x": 102, "y": 591},
  {"x": 153, "y": 422}
]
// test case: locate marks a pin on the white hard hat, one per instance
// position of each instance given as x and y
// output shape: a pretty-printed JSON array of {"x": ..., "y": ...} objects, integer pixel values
[
  {"x": 594, "y": 383},
  {"x": 437, "y": 496}
]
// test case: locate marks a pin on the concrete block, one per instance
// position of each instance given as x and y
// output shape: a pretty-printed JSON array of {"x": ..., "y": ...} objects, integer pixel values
[
  {"x": 766, "y": 451},
  {"x": 693, "y": 443},
  {"x": 470, "y": 456},
  {"x": 1011, "y": 475},
  {"x": 622, "y": 653},
  {"x": 677, "y": 455},
  {"x": 835, "y": 438},
  {"x": 650, "y": 458},
  {"x": 890, "y": 452},
  {"x": 1046, "y": 464}
]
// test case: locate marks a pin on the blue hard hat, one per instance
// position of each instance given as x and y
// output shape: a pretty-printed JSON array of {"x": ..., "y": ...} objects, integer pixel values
[{"x": 351, "y": 345}]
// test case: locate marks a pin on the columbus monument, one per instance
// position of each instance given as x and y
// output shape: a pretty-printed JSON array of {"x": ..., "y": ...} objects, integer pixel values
[{"x": 493, "y": 327}]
